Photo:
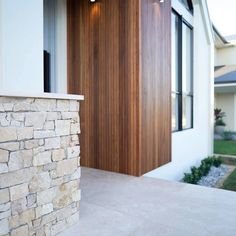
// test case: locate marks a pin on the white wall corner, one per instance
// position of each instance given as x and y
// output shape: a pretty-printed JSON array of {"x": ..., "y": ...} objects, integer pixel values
[
  {"x": 1, "y": 47},
  {"x": 207, "y": 19},
  {"x": 22, "y": 45},
  {"x": 211, "y": 99}
]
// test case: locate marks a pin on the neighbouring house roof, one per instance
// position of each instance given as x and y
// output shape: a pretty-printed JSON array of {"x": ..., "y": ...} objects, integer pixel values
[
  {"x": 225, "y": 74},
  {"x": 231, "y": 39},
  {"x": 219, "y": 39}
]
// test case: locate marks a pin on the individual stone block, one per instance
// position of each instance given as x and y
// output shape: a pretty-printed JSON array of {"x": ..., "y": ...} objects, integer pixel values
[
  {"x": 62, "y": 127},
  {"x": 50, "y": 166},
  {"x": 49, "y": 218},
  {"x": 75, "y": 137},
  {"x": 7, "y": 134},
  {"x": 31, "y": 200},
  {"x": 21, "y": 106},
  {"x": 20, "y": 159},
  {"x": 4, "y": 196},
  {"x": 66, "y": 212},
  {"x": 35, "y": 119},
  {"x": 44, "y": 134},
  {"x": 49, "y": 125},
  {"x": 42, "y": 158},
  {"x": 4, "y": 226},
  {"x": 5, "y": 207},
  {"x": 1, "y": 107},
  {"x": 76, "y": 174},
  {"x": 57, "y": 181},
  {"x": 16, "y": 177},
  {"x": 63, "y": 105},
  {"x": 75, "y": 128},
  {"x": 4, "y": 120},
  {"x": 66, "y": 167},
  {"x": 38, "y": 150},
  {"x": 18, "y": 206},
  {"x": 58, "y": 227},
  {"x": 51, "y": 116},
  {"x": 40, "y": 182},
  {"x": 8, "y": 106},
  {"x": 30, "y": 144},
  {"x": 74, "y": 105},
  {"x": 65, "y": 141},
  {"x": 76, "y": 195},
  {"x": 21, "y": 219},
  {"x": 19, "y": 191},
  {"x": 73, "y": 152},
  {"x": 69, "y": 115},
  {"x": 46, "y": 196},
  {"x": 52, "y": 143},
  {"x": 43, "y": 210},
  {"x": 44, "y": 105},
  {"x": 10, "y": 146},
  {"x": 15, "y": 123},
  {"x": 25, "y": 133},
  {"x": 58, "y": 155},
  {"x": 22, "y": 145},
  {"x": 3, "y": 168},
  {"x": 66, "y": 195},
  {"x": 73, "y": 219},
  {"x": 21, "y": 231},
  {"x": 18, "y": 116},
  {"x": 5, "y": 214}
]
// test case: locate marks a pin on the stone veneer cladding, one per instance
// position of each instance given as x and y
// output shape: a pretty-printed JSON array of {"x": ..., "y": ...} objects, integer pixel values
[{"x": 39, "y": 165}]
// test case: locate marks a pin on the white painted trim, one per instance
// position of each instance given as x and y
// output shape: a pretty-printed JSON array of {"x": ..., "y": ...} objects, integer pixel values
[
  {"x": 42, "y": 95},
  {"x": 180, "y": 8},
  {"x": 225, "y": 85},
  {"x": 61, "y": 46}
]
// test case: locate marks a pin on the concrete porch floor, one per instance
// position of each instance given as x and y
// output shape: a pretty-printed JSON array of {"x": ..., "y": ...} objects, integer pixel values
[{"x": 120, "y": 205}]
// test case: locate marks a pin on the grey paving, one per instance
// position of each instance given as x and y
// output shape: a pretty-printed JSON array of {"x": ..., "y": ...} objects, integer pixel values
[{"x": 120, "y": 205}]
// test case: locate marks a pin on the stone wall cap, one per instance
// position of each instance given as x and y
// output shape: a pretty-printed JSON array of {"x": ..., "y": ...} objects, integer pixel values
[{"x": 42, "y": 95}]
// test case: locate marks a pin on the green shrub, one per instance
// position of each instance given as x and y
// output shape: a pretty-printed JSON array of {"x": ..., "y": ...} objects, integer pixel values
[
  {"x": 227, "y": 135},
  {"x": 217, "y": 162},
  {"x": 188, "y": 178},
  {"x": 220, "y": 122},
  {"x": 197, "y": 173}
]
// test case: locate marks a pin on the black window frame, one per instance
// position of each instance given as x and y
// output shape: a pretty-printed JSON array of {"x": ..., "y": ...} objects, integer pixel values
[
  {"x": 188, "y": 4},
  {"x": 179, "y": 94}
]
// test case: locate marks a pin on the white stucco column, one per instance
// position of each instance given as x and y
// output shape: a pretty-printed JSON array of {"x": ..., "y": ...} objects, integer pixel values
[{"x": 21, "y": 45}]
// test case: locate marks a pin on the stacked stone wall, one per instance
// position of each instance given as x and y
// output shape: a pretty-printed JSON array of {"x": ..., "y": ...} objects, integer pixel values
[{"x": 39, "y": 165}]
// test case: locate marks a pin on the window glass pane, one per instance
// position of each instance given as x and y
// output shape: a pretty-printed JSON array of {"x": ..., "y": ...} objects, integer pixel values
[
  {"x": 174, "y": 112},
  {"x": 187, "y": 60},
  {"x": 186, "y": 4},
  {"x": 187, "y": 112},
  {"x": 174, "y": 45}
]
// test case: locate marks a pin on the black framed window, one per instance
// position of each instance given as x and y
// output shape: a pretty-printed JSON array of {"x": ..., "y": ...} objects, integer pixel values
[
  {"x": 188, "y": 5},
  {"x": 182, "y": 74}
]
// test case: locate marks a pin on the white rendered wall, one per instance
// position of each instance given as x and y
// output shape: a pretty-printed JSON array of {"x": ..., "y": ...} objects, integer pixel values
[
  {"x": 190, "y": 146},
  {"x": 21, "y": 45},
  {"x": 226, "y": 102},
  {"x": 226, "y": 56}
]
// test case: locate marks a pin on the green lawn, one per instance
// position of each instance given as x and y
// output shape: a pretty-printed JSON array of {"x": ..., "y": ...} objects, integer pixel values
[
  {"x": 225, "y": 147},
  {"x": 230, "y": 182}
]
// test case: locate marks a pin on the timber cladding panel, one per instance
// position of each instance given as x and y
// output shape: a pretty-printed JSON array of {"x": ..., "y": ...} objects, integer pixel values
[{"x": 119, "y": 58}]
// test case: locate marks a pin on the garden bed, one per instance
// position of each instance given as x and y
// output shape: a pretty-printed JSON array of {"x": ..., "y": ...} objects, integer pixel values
[
  {"x": 212, "y": 173},
  {"x": 230, "y": 182}
]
